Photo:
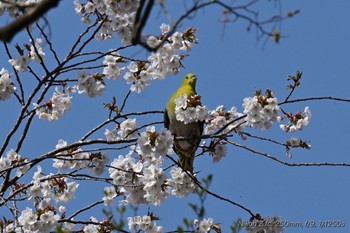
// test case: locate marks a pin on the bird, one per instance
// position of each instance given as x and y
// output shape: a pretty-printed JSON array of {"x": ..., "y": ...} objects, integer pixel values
[{"x": 185, "y": 149}]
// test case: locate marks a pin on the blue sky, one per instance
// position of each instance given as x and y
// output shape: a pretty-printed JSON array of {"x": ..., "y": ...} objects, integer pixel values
[{"x": 230, "y": 68}]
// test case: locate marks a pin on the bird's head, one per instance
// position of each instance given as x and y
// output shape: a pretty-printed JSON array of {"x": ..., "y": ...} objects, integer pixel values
[{"x": 190, "y": 79}]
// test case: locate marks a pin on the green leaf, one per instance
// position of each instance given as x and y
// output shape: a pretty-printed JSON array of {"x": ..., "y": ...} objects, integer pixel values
[
  {"x": 59, "y": 230},
  {"x": 201, "y": 212},
  {"x": 180, "y": 230},
  {"x": 187, "y": 222},
  {"x": 237, "y": 226},
  {"x": 194, "y": 207}
]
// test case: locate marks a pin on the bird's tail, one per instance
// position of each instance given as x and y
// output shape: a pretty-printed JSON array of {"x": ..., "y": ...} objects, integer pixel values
[{"x": 186, "y": 162}]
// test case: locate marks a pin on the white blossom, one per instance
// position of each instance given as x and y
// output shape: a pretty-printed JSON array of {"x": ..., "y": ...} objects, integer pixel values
[
  {"x": 153, "y": 41},
  {"x": 144, "y": 223},
  {"x": 60, "y": 194},
  {"x": 6, "y": 86},
  {"x": 220, "y": 118},
  {"x": 266, "y": 225},
  {"x": 98, "y": 163},
  {"x": 261, "y": 114},
  {"x": 36, "y": 53},
  {"x": 89, "y": 7},
  {"x": 154, "y": 180},
  {"x": 92, "y": 228},
  {"x": 89, "y": 84},
  {"x": 31, "y": 222},
  {"x": 13, "y": 157},
  {"x": 109, "y": 195},
  {"x": 138, "y": 82},
  {"x": 52, "y": 187},
  {"x": 21, "y": 63},
  {"x": 189, "y": 114},
  {"x": 59, "y": 103},
  {"x": 119, "y": 17},
  {"x": 304, "y": 121},
  {"x": 297, "y": 121},
  {"x": 181, "y": 102},
  {"x": 203, "y": 226},
  {"x": 220, "y": 151},
  {"x": 41, "y": 187},
  {"x": 165, "y": 28},
  {"x": 112, "y": 69},
  {"x": 76, "y": 159},
  {"x": 5, "y": 162},
  {"x": 111, "y": 135},
  {"x": 127, "y": 129},
  {"x": 202, "y": 112},
  {"x": 125, "y": 172},
  {"x": 68, "y": 226},
  {"x": 181, "y": 183},
  {"x": 153, "y": 145}
]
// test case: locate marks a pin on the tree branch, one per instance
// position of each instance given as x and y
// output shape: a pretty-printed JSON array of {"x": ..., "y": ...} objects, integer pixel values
[{"x": 9, "y": 31}]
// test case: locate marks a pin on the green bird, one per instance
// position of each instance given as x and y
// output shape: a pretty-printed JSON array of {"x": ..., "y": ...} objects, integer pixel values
[{"x": 185, "y": 149}]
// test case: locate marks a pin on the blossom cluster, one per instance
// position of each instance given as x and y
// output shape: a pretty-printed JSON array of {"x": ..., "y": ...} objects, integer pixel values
[
  {"x": 143, "y": 180},
  {"x": 115, "y": 16},
  {"x": 188, "y": 109},
  {"x": 112, "y": 69},
  {"x": 51, "y": 187},
  {"x": 297, "y": 121},
  {"x": 294, "y": 143},
  {"x": 145, "y": 184},
  {"x": 138, "y": 76},
  {"x": 59, "y": 103},
  {"x": 125, "y": 172},
  {"x": 297, "y": 142},
  {"x": 203, "y": 226},
  {"x": 43, "y": 190},
  {"x": 77, "y": 159},
  {"x": 91, "y": 228},
  {"x": 125, "y": 130},
  {"x": 164, "y": 62},
  {"x": 16, "y": 8},
  {"x": 220, "y": 118},
  {"x": 155, "y": 182},
  {"x": 220, "y": 151},
  {"x": 12, "y": 158},
  {"x": 167, "y": 59},
  {"x": 119, "y": 17},
  {"x": 6, "y": 86},
  {"x": 39, "y": 221},
  {"x": 262, "y": 111},
  {"x": 42, "y": 220},
  {"x": 153, "y": 146},
  {"x": 181, "y": 183},
  {"x": 222, "y": 121},
  {"x": 34, "y": 53},
  {"x": 90, "y": 84},
  {"x": 144, "y": 224}
]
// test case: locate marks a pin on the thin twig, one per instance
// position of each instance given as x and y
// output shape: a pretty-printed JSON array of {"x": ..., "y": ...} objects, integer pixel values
[
  {"x": 286, "y": 163},
  {"x": 314, "y": 98},
  {"x": 194, "y": 179}
]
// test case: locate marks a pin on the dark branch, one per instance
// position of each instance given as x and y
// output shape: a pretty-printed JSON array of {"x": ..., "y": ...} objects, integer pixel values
[{"x": 9, "y": 31}]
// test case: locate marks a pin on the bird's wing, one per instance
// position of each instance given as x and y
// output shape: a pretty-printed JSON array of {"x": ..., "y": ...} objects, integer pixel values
[
  {"x": 201, "y": 126},
  {"x": 166, "y": 119}
]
